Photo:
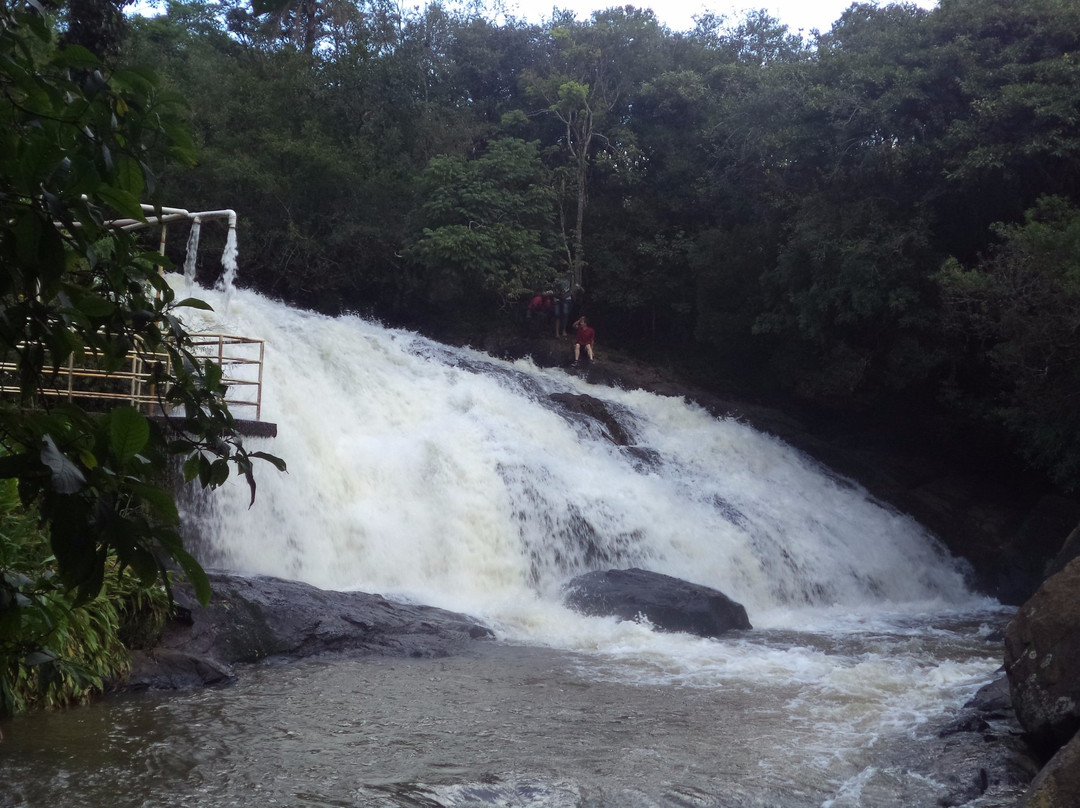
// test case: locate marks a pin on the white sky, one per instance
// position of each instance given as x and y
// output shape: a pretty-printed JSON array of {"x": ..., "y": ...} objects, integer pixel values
[
  {"x": 678, "y": 14},
  {"x": 804, "y": 15}
]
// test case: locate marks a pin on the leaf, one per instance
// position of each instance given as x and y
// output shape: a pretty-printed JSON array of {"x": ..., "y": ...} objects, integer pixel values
[
  {"x": 129, "y": 432},
  {"x": 191, "y": 467},
  {"x": 195, "y": 303},
  {"x": 196, "y": 575},
  {"x": 129, "y": 176},
  {"x": 278, "y": 463},
  {"x": 160, "y": 500},
  {"x": 66, "y": 476},
  {"x": 41, "y": 657},
  {"x": 123, "y": 202},
  {"x": 94, "y": 306},
  {"x": 76, "y": 56}
]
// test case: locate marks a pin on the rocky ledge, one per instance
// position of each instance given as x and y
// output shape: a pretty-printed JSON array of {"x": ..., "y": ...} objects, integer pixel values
[{"x": 255, "y": 618}]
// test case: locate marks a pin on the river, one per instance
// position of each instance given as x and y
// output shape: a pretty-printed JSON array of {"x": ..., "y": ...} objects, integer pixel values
[{"x": 439, "y": 475}]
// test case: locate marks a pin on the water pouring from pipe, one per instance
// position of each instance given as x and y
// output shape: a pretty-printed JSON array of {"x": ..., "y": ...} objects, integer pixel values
[{"x": 191, "y": 253}]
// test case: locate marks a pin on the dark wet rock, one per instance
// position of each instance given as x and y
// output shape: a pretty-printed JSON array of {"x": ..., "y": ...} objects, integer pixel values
[
  {"x": 669, "y": 604},
  {"x": 970, "y": 766},
  {"x": 597, "y": 410},
  {"x": 1058, "y": 784},
  {"x": 254, "y": 618},
  {"x": 170, "y": 669},
  {"x": 993, "y": 700},
  {"x": 1042, "y": 659},
  {"x": 1069, "y": 551}
]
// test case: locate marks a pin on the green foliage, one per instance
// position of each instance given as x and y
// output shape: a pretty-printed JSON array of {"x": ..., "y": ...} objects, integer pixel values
[
  {"x": 80, "y": 146},
  {"x": 1016, "y": 313},
  {"x": 53, "y": 650},
  {"x": 783, "y": 201},
  {"x": 488, "y": 222}
]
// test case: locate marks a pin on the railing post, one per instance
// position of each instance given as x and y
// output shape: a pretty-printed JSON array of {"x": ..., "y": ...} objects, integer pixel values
[{"x": 258, "y": 387}]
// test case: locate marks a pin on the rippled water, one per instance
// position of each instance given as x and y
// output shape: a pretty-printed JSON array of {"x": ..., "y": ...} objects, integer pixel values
[{"x": 524, "y": 726}]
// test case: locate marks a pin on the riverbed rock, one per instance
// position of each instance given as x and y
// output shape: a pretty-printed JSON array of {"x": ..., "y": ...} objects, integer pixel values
[
  {"x": 1058, "y": 784},
  {"x": 669, "y": 604},
  {"x": 1042, "y": 660},
  {"x": 254, "y": 618},
  {"x": 574, "y": 404}
]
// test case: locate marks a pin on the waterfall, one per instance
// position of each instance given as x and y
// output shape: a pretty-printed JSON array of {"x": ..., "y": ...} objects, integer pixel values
[
  {"x": 191, "y": 253},
  {"x": 445, "y": 476}
]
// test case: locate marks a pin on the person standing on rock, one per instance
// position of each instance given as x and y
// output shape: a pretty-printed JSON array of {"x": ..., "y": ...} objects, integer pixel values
[
  {"x": 564, "y": 298},
  {"x": 586, "y": 337}
]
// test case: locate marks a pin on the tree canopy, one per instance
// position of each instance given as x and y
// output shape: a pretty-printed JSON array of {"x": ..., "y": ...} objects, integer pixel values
[{"x": 780, "y": 206}]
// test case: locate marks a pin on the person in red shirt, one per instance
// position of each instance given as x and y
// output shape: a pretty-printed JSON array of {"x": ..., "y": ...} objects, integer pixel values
[{"x": 585, "y": 337}]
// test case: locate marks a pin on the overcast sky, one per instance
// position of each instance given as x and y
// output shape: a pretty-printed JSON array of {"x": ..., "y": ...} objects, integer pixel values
[{"x": 678, "y": 14}]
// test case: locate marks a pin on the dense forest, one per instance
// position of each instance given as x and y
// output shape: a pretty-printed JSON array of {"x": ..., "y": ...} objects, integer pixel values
[{"x": 880, "y": 217}]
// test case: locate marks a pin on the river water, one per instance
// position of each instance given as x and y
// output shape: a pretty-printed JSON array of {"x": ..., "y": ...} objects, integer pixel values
[{"x": 439, "y": 475}]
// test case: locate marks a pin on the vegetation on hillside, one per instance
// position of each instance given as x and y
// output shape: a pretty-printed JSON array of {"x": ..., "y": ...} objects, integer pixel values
[{"x": 824, "y": 216}]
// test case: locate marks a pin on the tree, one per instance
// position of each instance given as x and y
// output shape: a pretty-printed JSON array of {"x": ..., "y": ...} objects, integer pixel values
[
  {"x": 79, "y": 147},
  {"x": 486, "y": 224},
  {"x": 1015, "y": 315},
  {"x": 591, "y": 70}
]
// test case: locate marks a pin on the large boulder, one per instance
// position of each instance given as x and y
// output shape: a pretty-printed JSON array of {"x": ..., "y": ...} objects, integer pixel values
[
  {"x": 1058, "y": 784},
  {"x": 254, "y": 618},
  {"x": 669, "y": 604},
  {"x": 1042, "y": 660}
]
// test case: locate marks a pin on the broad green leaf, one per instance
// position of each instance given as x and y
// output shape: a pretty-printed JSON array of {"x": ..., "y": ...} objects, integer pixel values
[
  {"x": 196, "y": 575},
  {"x": 195, "y": 303},
  {"x": 129, "y": 176},
  {"x": 161, "y": 501},
  {"x": 66, "y": 476},
  {"x": 128, "y": 432},
  {"x": 191, "y": 467},
  {"x": 122, "y": 201},
  {"x": 93, "y": 306},
  {"x": 278, "y": 463},
  {"x": 41, "y": 657}
]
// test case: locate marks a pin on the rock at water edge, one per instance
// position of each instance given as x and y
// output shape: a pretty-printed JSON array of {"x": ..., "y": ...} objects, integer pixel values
[{"x": 669, "y": 604}]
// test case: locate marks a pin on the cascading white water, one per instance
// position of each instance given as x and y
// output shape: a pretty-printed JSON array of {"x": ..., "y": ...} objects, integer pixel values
[
  {"x": 447, "y": 477},
  {"x": 191, "y": 252},
  {"x": 228, "y": 263}
]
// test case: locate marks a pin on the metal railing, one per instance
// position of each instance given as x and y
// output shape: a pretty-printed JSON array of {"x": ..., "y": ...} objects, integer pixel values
[
  {"x": 241, "y": 361},
  {"x": 240, "y": 358}
]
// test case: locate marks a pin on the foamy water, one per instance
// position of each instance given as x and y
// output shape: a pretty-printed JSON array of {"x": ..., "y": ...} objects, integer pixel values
[{"x": 443, "y": 476}]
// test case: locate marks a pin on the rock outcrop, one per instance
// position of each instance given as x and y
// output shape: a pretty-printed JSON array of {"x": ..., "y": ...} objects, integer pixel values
[
  {"x": 1058, "y": 784},
  {"x": 253, "y": 618},
  {"x": 1042, "y": 659},
  {"x": 669, "y": 604}
]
